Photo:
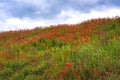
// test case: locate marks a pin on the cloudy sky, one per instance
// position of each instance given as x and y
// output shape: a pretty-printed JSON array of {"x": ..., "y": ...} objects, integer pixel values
[{"x": 27, "y": 14}]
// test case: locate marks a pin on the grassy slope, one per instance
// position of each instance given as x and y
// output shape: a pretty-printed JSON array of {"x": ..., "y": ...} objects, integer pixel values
[{"x": 85, "y": 51}]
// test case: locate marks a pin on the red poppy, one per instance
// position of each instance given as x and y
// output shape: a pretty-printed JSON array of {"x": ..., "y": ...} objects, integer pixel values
[
  {"x": 68, "y": 64},
  {"x": 65, "y": 72}
]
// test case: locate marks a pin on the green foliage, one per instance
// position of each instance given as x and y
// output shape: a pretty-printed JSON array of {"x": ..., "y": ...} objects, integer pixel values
[
  {"x": 31, "y": 77},
  {"x": 45, "y": 43},
  {"x": 6, "y": 73},
  {"x": 15, "y": 65},
  {"x": 27, "y": 71},
  {"x": 110, "y": 27},
  {"x": 17, "y": 76}
]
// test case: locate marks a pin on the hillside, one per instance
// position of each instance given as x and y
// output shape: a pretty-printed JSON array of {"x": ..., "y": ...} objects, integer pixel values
[{"x": 86, "y": 51}]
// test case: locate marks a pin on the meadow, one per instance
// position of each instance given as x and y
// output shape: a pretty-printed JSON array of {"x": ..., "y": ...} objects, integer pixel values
[{"x": 85, "y": 51}]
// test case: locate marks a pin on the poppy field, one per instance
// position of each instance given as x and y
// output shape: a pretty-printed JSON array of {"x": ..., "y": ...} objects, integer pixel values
[{"x": 85, "y": 51}]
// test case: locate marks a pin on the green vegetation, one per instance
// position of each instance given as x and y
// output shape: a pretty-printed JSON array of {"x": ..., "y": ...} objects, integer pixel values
[{"x": 85, "y": 51}]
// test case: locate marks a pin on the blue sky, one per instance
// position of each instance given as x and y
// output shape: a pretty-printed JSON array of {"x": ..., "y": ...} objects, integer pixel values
[{"x": 27, "y": 14}]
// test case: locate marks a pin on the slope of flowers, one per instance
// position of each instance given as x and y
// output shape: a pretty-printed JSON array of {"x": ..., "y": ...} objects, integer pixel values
[{"x": 85, "y": 51}]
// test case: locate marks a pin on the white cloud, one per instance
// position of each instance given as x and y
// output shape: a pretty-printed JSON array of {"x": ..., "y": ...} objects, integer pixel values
[
  {"x": 26, "y": 23},
  {"x": 64, "y": 17},
  {"x": 5, "y": 26},
  {"x": 76, "y": 16}
]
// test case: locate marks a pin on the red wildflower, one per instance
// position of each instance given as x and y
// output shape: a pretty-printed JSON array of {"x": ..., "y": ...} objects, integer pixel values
[
  {"x": 68, "y": 64},
  {"x": 85, "y": 40},
  {"x": 40, "y": 35},
  {"x": 65, "y": 72},
  {"x": 97, "y": 73},
  {"x": 34, "y": 38},
  {"x": 60, "y": 73}
]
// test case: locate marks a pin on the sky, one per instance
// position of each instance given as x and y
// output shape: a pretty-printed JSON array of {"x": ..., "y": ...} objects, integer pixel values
[{"x": 28, "y": 14}]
